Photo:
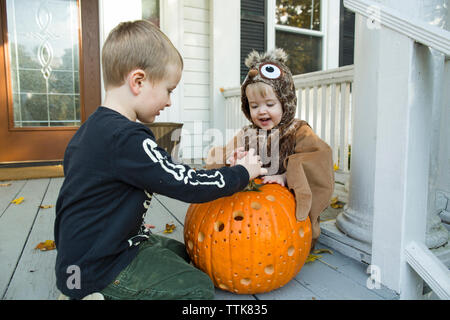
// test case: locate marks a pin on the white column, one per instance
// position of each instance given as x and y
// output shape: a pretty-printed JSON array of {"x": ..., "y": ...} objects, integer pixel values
[{"x": 356, "y": 219}]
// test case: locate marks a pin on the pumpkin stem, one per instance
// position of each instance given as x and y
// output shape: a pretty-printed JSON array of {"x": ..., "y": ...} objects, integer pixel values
[{"x": 253, "y": 186}]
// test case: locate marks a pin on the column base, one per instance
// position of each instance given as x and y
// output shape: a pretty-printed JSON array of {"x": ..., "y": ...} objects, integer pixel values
[
  {"x": 355, "y": 225},
  {"x": 334, "y": 238}
]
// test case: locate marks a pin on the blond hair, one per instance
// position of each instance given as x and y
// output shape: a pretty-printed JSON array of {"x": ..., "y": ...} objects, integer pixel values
[
  {"x": 137, "y": 45},
  {"x": 261, "y": 88}
]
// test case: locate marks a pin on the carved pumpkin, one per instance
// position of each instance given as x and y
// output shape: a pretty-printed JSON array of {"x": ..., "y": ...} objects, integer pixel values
[{"x": 249, "y": 242}]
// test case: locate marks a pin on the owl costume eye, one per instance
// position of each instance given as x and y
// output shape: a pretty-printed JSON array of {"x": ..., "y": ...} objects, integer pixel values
[{"x": 270, "y": 71}]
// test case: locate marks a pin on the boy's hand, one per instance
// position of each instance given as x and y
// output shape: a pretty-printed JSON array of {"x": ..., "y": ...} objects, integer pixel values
[
  {"x": 278, "y": 178},
  {"x": 252, "y": 163},
  {"x": 238, "y": 153}
]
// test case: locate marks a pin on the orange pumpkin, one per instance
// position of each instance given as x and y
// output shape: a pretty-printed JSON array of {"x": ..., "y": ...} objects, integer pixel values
[{"x": 249, "y": 242}]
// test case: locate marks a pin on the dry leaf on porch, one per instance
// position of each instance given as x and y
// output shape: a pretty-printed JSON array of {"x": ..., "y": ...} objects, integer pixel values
[
  {"x": 336, "y": 167},
  {"x": 5, "y": 184},
  {"x": 336, "y": 204},
  {"x": 46, "y": 206},
  {"x": 315, "y": 256},
  {"x": 169, "y": 228},
  {"x": 317, "y": 251},
  {"x": 18, "y": 200},
  {"x": 312, "y": 257},
  {"x": 46, "y": 245}
]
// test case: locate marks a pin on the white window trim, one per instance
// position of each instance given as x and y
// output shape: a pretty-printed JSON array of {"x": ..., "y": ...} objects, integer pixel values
[{"x": 329, "y": 19}]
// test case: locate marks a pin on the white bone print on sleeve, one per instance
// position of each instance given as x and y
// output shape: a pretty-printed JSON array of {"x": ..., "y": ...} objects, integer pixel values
[{"x": 178, "y": 171}]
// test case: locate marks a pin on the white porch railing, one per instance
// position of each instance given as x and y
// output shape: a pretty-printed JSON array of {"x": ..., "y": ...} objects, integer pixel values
[
  {"x": 324, "y": 101},
  {"x": 415, "y": 263}
]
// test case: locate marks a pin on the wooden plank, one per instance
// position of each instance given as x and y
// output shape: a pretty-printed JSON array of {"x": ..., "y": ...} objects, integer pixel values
[
  {"x": 333, "y": 123},
  {"x": 159, "y": 216},
  {"x": 34, "y": 277},
  {"x": 15, "y": 226},
  {"x": 202, "y": 4},
  {"x": 9, "y": 193},
  {"x": 196, "y": 14},
  {"x": 354, "y": 270},
  {"x": 226, "y": 295},
  {"x": 177, "y": 208},
  {"x": 195, "y": 39},
  {"x": 196, "y": 90},
  {"x": 197, "y": 27},
  {"x": 293, "y": 290},
  {"x": 193, "y": 52},
  {"x": 327, "y": 283}
]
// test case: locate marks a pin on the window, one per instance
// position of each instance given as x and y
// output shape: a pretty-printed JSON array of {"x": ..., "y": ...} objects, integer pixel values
[
  {"x": 150, "y": 11},
  {"x": 44, "y": 61},
  {"x": 298, "y": 30}
]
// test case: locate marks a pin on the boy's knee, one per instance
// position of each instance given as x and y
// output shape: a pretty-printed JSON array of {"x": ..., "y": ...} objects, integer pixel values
[{"x": 199, "y": 286}]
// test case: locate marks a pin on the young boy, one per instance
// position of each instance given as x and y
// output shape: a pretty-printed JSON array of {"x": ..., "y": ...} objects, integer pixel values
[
  {"x": 290, "y": 150},
  {"x": 112, "y": 167}
]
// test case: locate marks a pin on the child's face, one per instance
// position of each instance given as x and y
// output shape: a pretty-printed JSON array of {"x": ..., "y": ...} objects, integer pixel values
[
  {"x": 265, "y": 110},
  {"x": 156, "y": 96}
]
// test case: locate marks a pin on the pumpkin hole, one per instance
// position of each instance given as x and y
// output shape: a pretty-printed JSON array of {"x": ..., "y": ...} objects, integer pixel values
[
  {"x": 219, "y": 226},
  {"x": 256, "y": 205},
  {"x": 291, "y": 251},
  {"x": 270, "y": 198},
  {"x": 269, "y": 269},
  {"x": 190, "y": 244},
  {"x": 223, "y": 286},
  {"x": 246, "y": 281},
  {"x": 201, "y": 236},
  {"x": 301, "y": 232},
  {"x": 238, "y": 215}
]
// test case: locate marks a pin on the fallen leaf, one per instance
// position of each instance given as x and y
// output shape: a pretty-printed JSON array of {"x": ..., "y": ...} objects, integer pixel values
[
  {"x": 169, "y": 228},
  {"x": 18, "y": 200},
  {"x": 317, "y": 251},
  {"x": 46, "y": 206},
  {"x": 315, "y": 256},
  {"x": 336, "y": 167},
  {"x": 336, "y": 204},
  {"x": 312, "y": 257},
  {"x": 46, "y": 245},
  {"x": 5, "y": 184}
]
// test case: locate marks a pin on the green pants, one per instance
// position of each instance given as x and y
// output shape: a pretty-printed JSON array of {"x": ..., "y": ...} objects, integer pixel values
[{"x": 160, "y": 271}]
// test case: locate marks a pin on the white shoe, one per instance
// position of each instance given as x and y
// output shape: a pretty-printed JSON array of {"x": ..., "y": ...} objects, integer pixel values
[{"x": 92, "y": 296}]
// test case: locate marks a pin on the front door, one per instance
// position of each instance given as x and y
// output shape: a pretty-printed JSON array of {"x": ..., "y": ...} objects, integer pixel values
[{"x": 49, "y": 75}]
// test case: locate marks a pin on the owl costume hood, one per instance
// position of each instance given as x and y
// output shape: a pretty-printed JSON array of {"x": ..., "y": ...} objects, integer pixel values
[{"x": 270, "y": 68}]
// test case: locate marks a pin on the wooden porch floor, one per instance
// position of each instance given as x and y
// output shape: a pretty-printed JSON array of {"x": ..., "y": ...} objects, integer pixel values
[{"x": 26, "y": 273}]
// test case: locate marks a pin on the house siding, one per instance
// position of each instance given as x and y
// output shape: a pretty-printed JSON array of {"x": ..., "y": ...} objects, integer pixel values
[{"x": 196, "y": 76}]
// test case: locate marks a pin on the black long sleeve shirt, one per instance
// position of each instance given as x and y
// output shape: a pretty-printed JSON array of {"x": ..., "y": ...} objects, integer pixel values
[{"x": 112, "y": 167}]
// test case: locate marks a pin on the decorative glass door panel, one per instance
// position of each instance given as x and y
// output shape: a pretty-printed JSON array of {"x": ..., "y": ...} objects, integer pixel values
[
  {"x": 43, "y": 39},
  {"x": 49, "y": 75}
]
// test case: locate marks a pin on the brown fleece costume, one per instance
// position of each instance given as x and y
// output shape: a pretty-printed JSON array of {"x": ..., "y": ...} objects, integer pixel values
[{"x": 306, "y": 159}]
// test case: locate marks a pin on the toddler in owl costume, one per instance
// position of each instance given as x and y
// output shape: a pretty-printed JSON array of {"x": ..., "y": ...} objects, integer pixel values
[{"x": 292, "y": 153}]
